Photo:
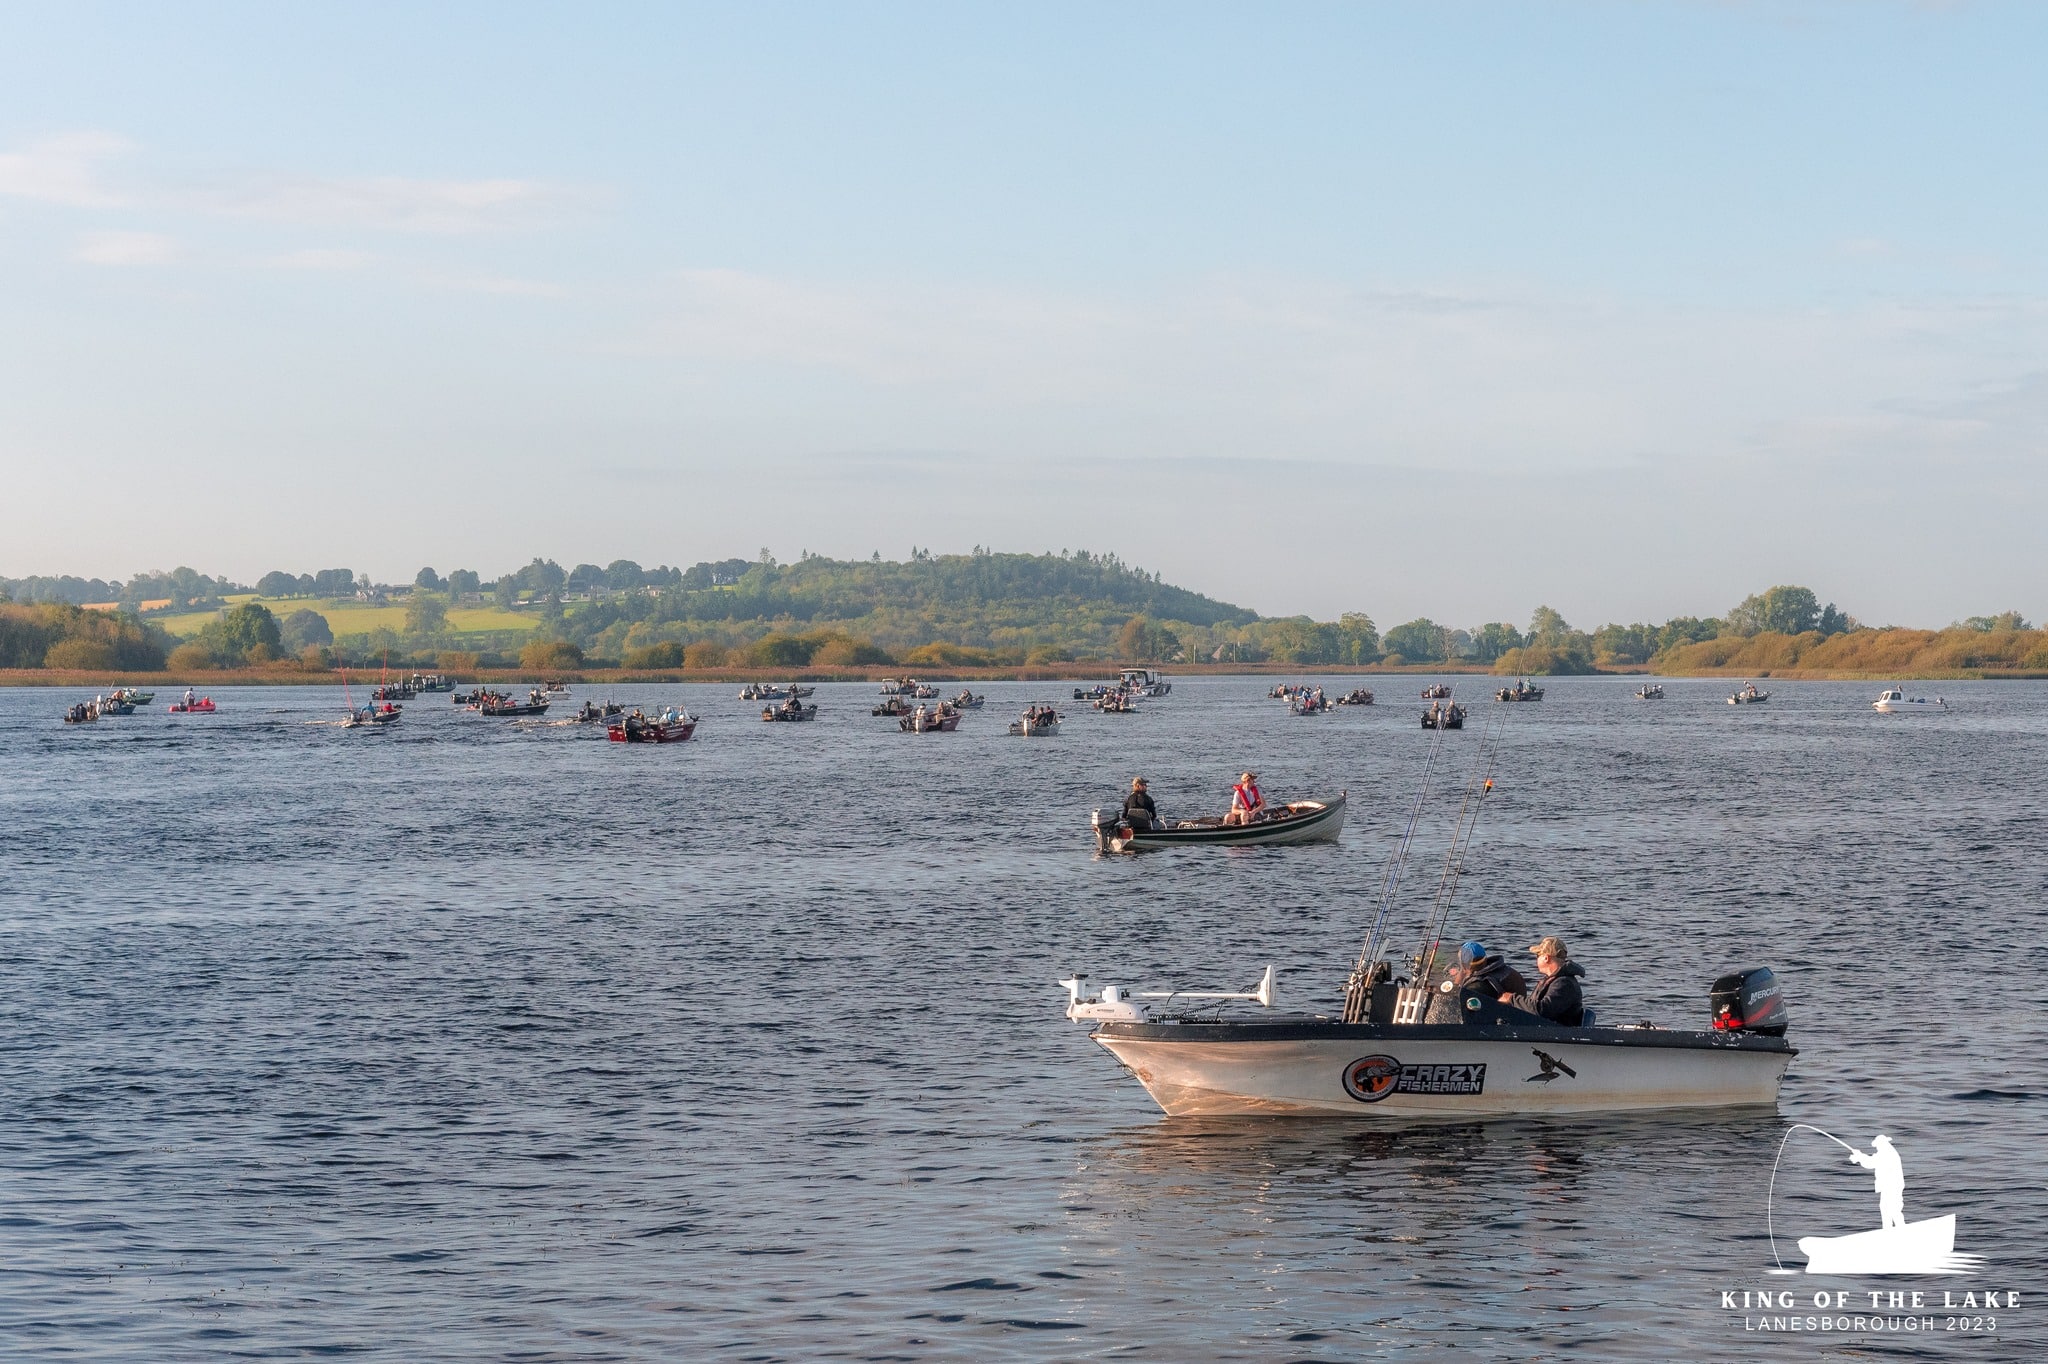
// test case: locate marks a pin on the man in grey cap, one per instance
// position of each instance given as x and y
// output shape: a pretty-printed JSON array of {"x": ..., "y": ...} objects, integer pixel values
[{"x": 1556, "y": 997}]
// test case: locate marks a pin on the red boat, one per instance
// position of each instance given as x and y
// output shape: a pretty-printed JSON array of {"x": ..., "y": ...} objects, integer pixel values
[
  {"x": 203, "y": 706},
  {"x": 638, "y": 729}
]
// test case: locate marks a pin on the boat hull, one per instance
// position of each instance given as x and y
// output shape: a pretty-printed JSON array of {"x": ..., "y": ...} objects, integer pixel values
[
  {"x": 651, "y": 733},
  {"x": 1377, "y": 1072}
]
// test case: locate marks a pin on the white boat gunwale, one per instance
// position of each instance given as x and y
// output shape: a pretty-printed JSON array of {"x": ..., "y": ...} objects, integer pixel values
[{"x": 1192, "y": 1030}]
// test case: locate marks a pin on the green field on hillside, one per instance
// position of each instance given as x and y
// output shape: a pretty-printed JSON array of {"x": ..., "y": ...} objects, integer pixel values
[{"x": 354, "y": 617}]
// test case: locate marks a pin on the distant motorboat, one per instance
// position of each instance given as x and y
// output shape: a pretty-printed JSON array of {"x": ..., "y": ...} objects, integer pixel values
[
  {"x": 1143, "y": 682},
  {"x": 791, "y": 712},
  {"x": 967, "y": 700},
  {"x": 1521, "y": 691},
  {"x": 202, "y": 706},
  {"x": 1358, "y": 696},
  {"x": 372, "y": 717},
  {"x": 1650, "y": 692},
  {"x": 1894, "y": 701},
  {"x": 944, "y": 720},
  {"x": 1309, "y": 703},
  {"x": 1037, "y": 722},
  {"x": 1437, "y": 691},
  {"x": 1442, "y": 716},
  {"x": 1748, "y": 695},
  {"x": 670, "y": 727}
]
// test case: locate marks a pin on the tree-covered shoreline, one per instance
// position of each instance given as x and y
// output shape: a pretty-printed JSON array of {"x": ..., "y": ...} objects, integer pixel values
[{"x": 978, "y": 611}]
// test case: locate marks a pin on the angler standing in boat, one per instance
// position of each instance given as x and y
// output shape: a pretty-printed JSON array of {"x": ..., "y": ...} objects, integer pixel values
[
  {"x": 1891, "y": 1178},
  {"x": 1247, "y": 805}
]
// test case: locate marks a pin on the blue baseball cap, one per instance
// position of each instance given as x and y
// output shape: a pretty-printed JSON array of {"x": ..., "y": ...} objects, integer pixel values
[{"x": 1470, "y": 952}]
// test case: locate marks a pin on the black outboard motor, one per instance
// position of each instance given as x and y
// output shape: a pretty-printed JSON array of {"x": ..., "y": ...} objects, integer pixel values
[{"x": 1750, "y": 1001}]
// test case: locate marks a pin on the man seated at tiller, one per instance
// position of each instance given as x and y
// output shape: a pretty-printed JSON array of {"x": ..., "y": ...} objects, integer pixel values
[
  {"x": 1557, "y": 997},
  {"x": 1139, "y": 811}
]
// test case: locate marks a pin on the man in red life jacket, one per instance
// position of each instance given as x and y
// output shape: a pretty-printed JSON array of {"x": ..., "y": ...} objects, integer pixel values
[{"x": 1247, "y": 806}]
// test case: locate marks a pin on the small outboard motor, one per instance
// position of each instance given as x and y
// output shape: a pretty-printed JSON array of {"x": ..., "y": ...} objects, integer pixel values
[
  {"x": 1108, "y": 823},
  {"x": 1750, "y": 1001}
]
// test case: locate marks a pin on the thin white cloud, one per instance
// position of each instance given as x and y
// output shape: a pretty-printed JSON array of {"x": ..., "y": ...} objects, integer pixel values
[
  {"x": 398, "y": 204},
  {"x": 319, "y": 258},
  {"x": 63, "y": 170},
  {"x": 125, "y": 248}
]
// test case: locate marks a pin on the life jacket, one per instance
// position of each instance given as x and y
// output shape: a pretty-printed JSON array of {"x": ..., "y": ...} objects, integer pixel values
[{"x": 1245, "y": 796}]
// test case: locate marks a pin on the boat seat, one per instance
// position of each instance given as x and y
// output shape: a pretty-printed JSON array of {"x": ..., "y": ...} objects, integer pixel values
[{"x": 1585, "y": 1018}]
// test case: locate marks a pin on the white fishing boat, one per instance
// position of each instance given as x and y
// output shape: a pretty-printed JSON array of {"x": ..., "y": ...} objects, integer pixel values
[
  {"x": 1298, "y": 821},
  {"x": 1417, "y": 1048},
  {"x": 1894, "y": 701},
  {"x": 1143, "y": 682},
  {"x": 1650, "y": 691},
  {"x": 1500, "y": 1061}
]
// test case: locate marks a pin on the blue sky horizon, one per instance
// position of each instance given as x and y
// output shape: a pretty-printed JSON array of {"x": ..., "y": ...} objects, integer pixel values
[{"x": 1448, "y": 309}]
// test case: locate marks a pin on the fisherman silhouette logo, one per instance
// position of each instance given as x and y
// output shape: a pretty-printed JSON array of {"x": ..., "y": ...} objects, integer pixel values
[
  {"x": 1897, "y": 1246},
  {"x": 1371, "y": 1078},
  {"x": 1552, "y": 1068}
]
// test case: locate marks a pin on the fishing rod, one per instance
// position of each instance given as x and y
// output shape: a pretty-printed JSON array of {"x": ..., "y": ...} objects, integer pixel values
[
  {"x": 1477, "y": 788},
  {"x": 1390, "y": 882},
  {"x": 1771, "y": 1194}
]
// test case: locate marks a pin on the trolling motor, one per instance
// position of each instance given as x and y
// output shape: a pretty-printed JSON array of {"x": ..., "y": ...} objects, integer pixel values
[{"x": 1749, "y": 1001}]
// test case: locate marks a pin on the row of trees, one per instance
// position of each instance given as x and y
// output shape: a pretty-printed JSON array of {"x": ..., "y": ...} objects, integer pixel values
[
  {"x": 60, "y": 635},
  {"x": 181, "y": 586}
]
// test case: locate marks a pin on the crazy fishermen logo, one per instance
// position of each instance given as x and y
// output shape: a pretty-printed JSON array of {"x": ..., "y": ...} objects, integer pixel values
[{"x": 1372, "y": 1078}]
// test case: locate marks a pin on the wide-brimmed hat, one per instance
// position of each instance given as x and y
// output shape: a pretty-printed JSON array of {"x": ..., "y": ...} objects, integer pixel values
[{"x": 1552, "y": 947}]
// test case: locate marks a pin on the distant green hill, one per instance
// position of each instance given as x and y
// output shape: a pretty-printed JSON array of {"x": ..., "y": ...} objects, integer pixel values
[{"x": 951, "y": 607}]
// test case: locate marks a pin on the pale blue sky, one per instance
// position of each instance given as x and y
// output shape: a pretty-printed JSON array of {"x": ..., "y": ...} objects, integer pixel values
[{"x": 1627, "y": 308}]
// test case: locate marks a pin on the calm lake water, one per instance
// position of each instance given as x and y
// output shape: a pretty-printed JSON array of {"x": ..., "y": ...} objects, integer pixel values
[{"x": 483, "y": 1040}]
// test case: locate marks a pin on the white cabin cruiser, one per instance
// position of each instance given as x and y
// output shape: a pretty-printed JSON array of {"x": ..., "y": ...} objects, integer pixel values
[
  {"x": 1894, "y": 701},
  {"x": 1143, "y": 682}
]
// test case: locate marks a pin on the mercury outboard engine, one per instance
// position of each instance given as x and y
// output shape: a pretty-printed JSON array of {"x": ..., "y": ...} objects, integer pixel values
[{"x": 1750, "y": 1001}]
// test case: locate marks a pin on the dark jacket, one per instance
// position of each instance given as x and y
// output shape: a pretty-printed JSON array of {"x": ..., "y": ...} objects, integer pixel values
[
  {"x": 1139, "y": 809},
  {"x": 1492, "y": 977},
  {"x": 1557, "y": 998}
]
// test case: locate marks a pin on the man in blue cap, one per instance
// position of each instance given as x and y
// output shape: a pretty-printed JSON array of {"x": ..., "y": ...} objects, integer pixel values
[{"x": 1485, "y": 973}]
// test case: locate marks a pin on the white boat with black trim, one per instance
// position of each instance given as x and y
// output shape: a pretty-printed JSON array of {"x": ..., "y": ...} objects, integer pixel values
[
  {"x": 1498, "y": 1060},
  {"x": 1894, "y": 701}
]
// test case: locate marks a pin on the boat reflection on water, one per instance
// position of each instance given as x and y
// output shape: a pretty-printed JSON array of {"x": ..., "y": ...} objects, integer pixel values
[{"x": 1511, "y": 1187}]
